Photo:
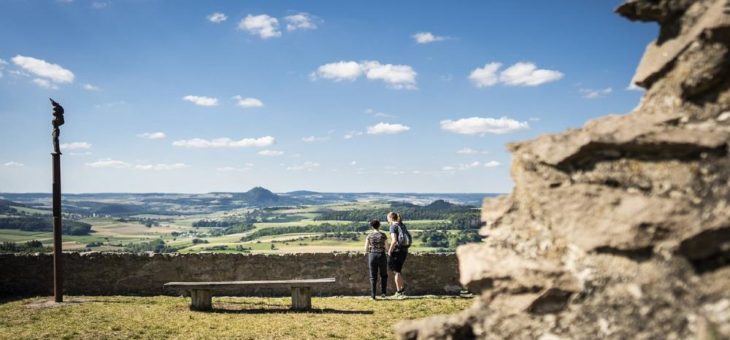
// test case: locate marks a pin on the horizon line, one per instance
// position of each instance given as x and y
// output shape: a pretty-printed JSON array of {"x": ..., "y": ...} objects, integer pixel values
[{"x": 281, "y": 192}]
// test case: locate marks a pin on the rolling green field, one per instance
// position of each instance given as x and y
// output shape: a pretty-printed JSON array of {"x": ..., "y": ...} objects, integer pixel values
[{"x": 299, "y": 229}]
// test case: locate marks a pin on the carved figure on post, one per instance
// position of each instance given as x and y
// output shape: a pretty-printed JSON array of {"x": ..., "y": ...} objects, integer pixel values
[{"x": 57, "y": 121}]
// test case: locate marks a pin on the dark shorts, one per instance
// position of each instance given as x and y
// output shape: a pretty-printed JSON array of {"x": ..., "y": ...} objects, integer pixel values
[{"x": 395, "y": 261}]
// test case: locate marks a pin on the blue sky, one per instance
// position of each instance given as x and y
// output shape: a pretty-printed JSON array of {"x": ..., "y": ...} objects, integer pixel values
[{"x": 201, "y": 96}]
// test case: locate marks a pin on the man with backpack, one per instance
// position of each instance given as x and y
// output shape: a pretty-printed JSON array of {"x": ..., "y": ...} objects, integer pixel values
[{"x": 400, "y": 240}]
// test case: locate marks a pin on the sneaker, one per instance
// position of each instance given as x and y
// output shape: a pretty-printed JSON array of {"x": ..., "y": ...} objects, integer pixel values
[
  {"x": 382, "y": 296},
  {"x": 397, "y": 295}
]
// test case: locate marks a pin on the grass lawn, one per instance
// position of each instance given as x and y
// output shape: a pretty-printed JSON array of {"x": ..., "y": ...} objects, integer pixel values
[{"x": 158, "y": 317}]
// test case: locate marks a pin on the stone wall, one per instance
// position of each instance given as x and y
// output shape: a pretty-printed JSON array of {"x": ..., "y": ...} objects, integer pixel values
[{"x": 122, "y": 274}]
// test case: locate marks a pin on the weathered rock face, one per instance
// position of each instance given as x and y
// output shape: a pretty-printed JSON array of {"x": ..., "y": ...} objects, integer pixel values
[{"x": 620, "y": 229}]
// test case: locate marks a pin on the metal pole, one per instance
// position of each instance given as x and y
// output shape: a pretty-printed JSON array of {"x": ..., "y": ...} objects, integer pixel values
[
  {"x": 57, "y": 221},
  {"x": 57, "y": 228}
]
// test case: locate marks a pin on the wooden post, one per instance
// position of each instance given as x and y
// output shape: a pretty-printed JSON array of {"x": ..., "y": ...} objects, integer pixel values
[
  {"x": 202, "y": 299},
  {"x": 301, "y": 298}
]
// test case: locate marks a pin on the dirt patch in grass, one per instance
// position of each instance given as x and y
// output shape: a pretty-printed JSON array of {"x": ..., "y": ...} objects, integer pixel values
[{"x": 158, "y": 317}]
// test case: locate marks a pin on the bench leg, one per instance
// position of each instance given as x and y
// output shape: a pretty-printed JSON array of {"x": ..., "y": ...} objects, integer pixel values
[
  {"x": 301, "y": 298},
  {"x": 202, "y": 299}
]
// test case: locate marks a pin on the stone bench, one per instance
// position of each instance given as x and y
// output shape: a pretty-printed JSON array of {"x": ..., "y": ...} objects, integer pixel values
[{"x": 201, "y": 293}]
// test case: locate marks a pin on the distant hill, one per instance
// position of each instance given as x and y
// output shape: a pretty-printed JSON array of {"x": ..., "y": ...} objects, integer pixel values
[
  {"x": 262, "y": 197},
  {"x": 441, "y": 205}
]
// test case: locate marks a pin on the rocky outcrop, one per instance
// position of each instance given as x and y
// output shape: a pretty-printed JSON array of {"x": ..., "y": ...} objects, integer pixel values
[{"x": 620, "y": 229}]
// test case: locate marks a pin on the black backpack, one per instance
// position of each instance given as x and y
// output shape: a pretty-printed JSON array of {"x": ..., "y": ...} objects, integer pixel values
[{"x": 404, "y": 237}]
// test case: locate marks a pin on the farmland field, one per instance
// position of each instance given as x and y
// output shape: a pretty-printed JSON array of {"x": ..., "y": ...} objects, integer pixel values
[{"x": 229, "y": 223}]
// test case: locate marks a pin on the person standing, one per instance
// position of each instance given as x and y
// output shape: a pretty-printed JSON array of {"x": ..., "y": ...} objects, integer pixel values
[
  {"x": 375, "y": 248},
  {"x": 400, "y": 240}
]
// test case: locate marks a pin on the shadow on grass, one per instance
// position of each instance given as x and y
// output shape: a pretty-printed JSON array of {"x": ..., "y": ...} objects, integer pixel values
[
  {"x": 390, "y": 298},
  {"x": 284, "y": 310},
  {"x": 8, "y": 299}
]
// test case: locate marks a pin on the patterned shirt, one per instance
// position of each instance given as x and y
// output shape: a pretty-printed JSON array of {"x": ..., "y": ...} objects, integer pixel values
[{"x": 376, "y": 242}]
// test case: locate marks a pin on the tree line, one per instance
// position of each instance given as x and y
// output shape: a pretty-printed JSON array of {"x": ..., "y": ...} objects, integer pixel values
[
  {"x": 321, "y": 228},
  {"x": 446, "y": 240},
  {"x": 33, "y": 246},
  {"x": 157, "y": 246},
  {"x": 44, "y": 224},
  {"x": 438, "y": 210}
]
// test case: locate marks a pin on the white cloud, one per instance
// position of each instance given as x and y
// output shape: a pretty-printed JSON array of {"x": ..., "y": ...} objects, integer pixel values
[
  {"x": 248, "y": 102},
  {"x": 395, "y": 172},
  {"x": 395, "y": 76},
  {"x": 481, "y": 126},
  {"x": 427, "y": 37},
  {"x": 594, "y": 94},
  {"x": 469, "y": 165},
  {"x": 152, "y": 135},
  {"x": 110, "y": 104},
  {"x": 352, "y": 134},
  {"x": 527, "y": 74},
  {"x": 341, "y": 70},
  {"x": 44, "y": 69},
  {"x": 378, "y": 114},
  {"x": 201, "y": 100},
  {"x": 491, "y": 164},
  {"x": 217, "y": 17},
  {"x": 463, "y": 166},
  {"x": 353, "y": 163},
  {"x": 109, "y": 163},
  {"x": 160, "y": 166},
  {"x": 84, "y": 153},
  {"x": 99, "y": 5},
  {"x": 225, "y": 142},
  {"x": 262, "y": 25},
  {"x": 13, "y": 164},
  {"x": 45, "y": 83},
  {"x": 634, "y": 87},
  {"x": 271, "y": 153},
  {"x": 519, "y": 74},
  {"x": 76, "y": 146},
  {"x": 386, "y": 128},
  {"x": 117, "y": 164},
  {"x": 312, "y": 139},
  {"x": 89, "y": 87},
  {"x": 308, "y": 166},
  {"x": 485, "y": 76},
  {"x": 300, "y": 21},
  {"x": 247, "y": 167},
  {"x": 470, "y": 151},
  {"x": 2, "y": 66}
]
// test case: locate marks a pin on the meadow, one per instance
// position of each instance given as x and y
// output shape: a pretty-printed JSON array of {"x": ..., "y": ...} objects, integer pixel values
[{"x": 117, "y": 317}]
